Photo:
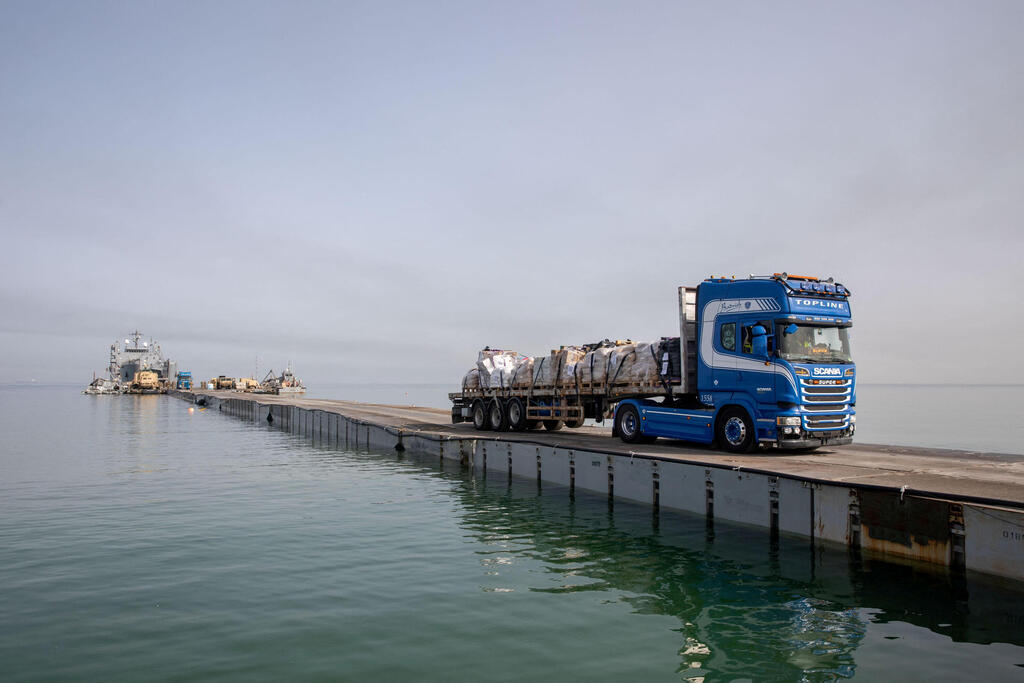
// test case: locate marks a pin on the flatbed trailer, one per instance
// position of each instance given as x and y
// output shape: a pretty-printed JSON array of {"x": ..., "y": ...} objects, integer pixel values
[
  {"x": 552, "y": 407},
  {"x": 568, "y": 404}
]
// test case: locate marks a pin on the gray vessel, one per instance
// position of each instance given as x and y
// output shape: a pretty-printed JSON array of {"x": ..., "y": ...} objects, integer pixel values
[
  {"x": 133, "y": 356},
  {"x": 285, "y": 383}
]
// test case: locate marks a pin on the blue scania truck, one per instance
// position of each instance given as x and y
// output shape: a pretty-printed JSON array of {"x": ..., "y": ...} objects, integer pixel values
[
  {"x": 763, "y": 361},
  {"x": 767, "y": 362}
]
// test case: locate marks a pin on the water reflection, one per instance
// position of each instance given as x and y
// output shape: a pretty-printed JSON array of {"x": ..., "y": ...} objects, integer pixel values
[
  {"x": 747, "y": 608},
  {"x": 727, "y": 605}
]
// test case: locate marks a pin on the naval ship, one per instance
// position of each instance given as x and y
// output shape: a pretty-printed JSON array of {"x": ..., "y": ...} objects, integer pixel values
[{"x": 133, "y": 356}]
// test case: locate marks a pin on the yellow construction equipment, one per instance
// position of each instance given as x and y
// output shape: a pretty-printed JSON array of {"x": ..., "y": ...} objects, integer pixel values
[
  {"x": 248, "y": 384},
  {"x": 145, "y": 382}
]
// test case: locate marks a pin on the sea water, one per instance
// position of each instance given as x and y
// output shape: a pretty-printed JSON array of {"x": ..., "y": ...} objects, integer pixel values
[{"x": 142, "y": 540}]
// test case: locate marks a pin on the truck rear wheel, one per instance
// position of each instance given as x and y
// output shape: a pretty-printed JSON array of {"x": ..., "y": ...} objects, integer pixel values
[
  {"x": 574, "y": 424},
  {"x": 497, "y": 416},
  {"x": 735, "y": 431},
  {"x": 516, "y": 414},
  {"x": 480, "y": 420},
  {"x": 553, "y": 425}
]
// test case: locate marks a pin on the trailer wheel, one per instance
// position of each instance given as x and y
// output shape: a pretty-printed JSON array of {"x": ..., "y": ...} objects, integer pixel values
[
  {"x": 574, "y": 424},
  {"x": 480, "y": 415},
  {"x": 553, "y": 425},
  {"x": 627, "y": 423},
  {"x": 735, "y": 431},
  {"x": 497, "y": 416},
  {"x": 516, "y": 414}
]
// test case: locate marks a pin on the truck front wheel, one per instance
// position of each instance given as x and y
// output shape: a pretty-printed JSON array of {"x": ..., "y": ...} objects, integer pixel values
[
  {"x": 627, "y": 423},
  {"x": 735, "y": 431},
  {"x": 479, "y": 411}
]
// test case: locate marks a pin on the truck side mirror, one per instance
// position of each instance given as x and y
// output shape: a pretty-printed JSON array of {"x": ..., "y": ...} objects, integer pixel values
[{"x": 759, "y": 342}]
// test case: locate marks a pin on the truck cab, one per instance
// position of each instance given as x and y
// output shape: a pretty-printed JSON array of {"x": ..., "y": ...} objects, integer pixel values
[{"x": 770, "y": 363}]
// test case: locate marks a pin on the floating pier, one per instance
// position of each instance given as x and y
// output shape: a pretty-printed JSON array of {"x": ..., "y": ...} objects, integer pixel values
[{"x": 958, "y": 510}]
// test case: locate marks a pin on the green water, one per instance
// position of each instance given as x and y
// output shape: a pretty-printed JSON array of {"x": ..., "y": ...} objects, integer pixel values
[{"x": 139, "y": 541}]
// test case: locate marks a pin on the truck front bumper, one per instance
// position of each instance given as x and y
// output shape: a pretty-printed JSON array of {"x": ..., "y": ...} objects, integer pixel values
[
  {"x": 812, "y": 442},
  {"x": 810, "y": 439}
]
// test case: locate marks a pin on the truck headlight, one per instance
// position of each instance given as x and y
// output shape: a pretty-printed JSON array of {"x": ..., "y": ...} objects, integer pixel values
[{"x": 788, "y": 421}]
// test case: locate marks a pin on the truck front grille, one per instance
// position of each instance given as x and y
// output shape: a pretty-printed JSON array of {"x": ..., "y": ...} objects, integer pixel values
[
  {"x": 831, "y": 398},
  {"x": 826, "y": 390},
  {"x": 826, "y": 421},
  {"x": 830, "y": 408}
]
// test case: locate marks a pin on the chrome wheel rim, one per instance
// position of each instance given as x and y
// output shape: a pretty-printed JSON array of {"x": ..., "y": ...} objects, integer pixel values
[
  {"x": 735, "y": 430},
  {"x": 627, "y": 425}
]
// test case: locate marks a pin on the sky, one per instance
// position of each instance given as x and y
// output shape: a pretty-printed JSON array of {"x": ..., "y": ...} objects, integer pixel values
[{"x": 375, "y": 191}]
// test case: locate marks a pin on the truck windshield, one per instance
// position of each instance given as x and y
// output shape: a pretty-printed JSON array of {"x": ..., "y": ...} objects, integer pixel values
[{"x": 815, "y": 343}]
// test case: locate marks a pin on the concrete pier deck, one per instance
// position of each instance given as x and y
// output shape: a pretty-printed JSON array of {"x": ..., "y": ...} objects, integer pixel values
[{"x": 957, "y": 509}]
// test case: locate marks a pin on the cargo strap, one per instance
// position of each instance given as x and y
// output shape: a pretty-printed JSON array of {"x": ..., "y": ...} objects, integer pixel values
[
  {"x": 611, "y": 380},
  {"x": 576, "y": 378},
  {"x": 537, "y": 368}
]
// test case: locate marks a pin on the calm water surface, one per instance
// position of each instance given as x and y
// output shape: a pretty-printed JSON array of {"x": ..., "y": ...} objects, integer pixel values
[{"x": 139, "y": 541}]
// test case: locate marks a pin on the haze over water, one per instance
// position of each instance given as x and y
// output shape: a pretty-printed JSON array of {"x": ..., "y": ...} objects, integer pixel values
[{"x": 141, "y": 541}]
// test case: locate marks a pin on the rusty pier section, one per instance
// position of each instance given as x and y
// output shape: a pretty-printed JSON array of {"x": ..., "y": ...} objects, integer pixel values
[{"x": 958, "y": 511}]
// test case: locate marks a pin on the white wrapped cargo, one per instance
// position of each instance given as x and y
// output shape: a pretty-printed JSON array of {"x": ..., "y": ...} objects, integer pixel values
[
  {"x": 593, "y": 368},
  {"x": 566, "y": 360},
  {"x": 558, "y": 368},
  {"x": 634, "y": 364},
  {"x": 648, "y": 362},
  {"x": 496, "y": 368},
  {"x": 545, "y": 370},
  {"x": 621, "y": 364},
  {"x": 522, "y": 375}
]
